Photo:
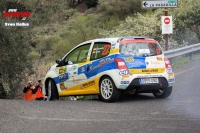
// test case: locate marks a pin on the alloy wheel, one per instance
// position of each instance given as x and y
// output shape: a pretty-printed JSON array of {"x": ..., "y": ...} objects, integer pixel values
[{"x": 106, "y": 88}]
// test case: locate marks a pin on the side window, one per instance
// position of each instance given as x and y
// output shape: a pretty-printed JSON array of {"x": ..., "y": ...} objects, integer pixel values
[
  {"x": 79, "y": 54},
  {"x": 100, "y": 49}
]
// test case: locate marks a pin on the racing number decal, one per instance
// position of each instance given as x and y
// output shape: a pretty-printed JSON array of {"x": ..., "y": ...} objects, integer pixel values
[{"x": 106, "y": 49}]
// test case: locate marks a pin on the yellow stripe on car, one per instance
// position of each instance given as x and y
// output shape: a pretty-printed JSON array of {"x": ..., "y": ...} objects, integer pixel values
[
  {"x": 146, "y": 71},
  {"x": 89, "y": 87}
]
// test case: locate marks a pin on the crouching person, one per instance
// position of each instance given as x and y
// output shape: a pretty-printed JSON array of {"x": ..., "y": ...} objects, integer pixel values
[
  {"x": 38, "y": 92},
  {"x": 29, "y": 91}
]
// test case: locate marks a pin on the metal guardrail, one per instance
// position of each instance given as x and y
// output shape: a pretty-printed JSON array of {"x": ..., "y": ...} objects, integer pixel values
[{"x": 182, "y": 51}]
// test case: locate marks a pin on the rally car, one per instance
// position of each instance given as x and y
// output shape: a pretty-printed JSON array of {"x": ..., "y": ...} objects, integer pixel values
[{"x": 109, "y": 66}]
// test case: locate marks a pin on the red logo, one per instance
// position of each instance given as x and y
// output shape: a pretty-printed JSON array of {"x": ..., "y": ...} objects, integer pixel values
[{"x": 14, "y": 14}]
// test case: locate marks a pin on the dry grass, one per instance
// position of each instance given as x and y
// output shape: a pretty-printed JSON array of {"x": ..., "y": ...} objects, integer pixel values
[{"x": 40, "y": 71}]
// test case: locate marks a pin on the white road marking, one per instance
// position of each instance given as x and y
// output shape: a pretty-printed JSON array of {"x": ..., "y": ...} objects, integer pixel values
[
  {"x": 186, "y": 70},
  {"x": 108, "y": 120}
]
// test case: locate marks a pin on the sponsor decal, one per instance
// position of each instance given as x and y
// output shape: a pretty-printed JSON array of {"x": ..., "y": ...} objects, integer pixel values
[
  {"x": 71, "y": 77},
  {"x": 170, "y": 75},
  {"x": 62, "y": 86},
  {"x": 144, "y": 51},
  {"x": 123, "y": 72},
  {"x": 159, "y": 58},
  {"x": 82, "y": 69},
  {"x": 147, "y": 63},
  {"x": 113, "y": 46},
  {"x": 102, "y": 62},
  {"x": 129, "y": 59},
  {"x": 90, "y": 83},
  {"x": 124, "y": 82},
  {"x": 137, "y": 63},
  {"x": 169, "y": 70},
  {"x": 125, "y": 76},
  {"x": 77, "y": 80},
  {"x": 171, "y": 80},
  {"x": 93, "y": 67},
  {"x": 147, "y": 70},
  {"x": 62, "y": 76},
  {"x": 144, "y": 76},
  {"x": 156, "y": 62},
  {"x": 62, "y": 69},
  {"x": 69, "y": 68},
  {"x": 75, "y": 67},
  {"x": 123, "y": 86}
]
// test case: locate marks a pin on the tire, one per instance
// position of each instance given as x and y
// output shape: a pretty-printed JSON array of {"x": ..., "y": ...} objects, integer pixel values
[
  {"x": 108, "y": 90},
  {"x": 133, "y": 92},
  {"x": 52, "y": 91},
  {"x": 163, "y": 93}
]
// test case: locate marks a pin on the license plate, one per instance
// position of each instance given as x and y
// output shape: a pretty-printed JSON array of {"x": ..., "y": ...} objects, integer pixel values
[{"x": 149, "y": 80}]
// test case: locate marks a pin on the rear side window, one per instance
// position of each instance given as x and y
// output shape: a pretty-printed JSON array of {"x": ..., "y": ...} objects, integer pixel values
[
  {"x": 140, "y": 49},
  {"x": 100, "y": 50}
]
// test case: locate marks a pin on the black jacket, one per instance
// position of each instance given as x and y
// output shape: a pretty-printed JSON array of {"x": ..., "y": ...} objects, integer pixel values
[{"x": 26, "y": 89}]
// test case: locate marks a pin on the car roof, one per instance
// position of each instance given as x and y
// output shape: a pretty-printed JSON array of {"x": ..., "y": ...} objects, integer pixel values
[{"x": 117, "y": 39}]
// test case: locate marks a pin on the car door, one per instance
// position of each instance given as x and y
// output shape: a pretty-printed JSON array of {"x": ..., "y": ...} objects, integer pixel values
[
  {"x": 100, "y": 61},
  {"x": 76, "y": 62}
]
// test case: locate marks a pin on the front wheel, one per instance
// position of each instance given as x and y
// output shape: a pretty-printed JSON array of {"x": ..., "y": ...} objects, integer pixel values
[
  {"x": 163, "y": 92},
  {"x": 52, "y": 90},
  {"x": 108, "y": 90}
]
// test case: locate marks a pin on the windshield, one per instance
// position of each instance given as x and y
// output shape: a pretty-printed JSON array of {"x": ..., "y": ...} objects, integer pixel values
[{"x": 140, "y": 49}]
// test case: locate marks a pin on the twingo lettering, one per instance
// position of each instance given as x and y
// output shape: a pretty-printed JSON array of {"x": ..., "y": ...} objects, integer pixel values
[
  {"x": 152, "y": 70},
  {"x": 90, "y": 83}
]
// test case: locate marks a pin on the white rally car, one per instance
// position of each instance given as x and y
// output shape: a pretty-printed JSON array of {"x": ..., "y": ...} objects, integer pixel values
[{"x": 108, "y": 66}]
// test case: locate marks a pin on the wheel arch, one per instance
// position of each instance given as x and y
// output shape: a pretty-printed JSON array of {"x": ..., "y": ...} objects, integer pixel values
[
  {"x": 103, "y": 76},
  {"x": 46, "y": 84}
]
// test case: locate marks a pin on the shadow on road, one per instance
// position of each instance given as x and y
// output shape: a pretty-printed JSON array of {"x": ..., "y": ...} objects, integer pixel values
[{"x": 138, "y": 97}]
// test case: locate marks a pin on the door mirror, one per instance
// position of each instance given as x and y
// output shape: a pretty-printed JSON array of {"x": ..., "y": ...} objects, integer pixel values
[
  {"x": 59, "y": 61},
  {"x": 70, "y": 63}
]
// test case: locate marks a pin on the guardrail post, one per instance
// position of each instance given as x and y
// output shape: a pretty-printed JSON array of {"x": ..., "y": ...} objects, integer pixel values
[{"x": 191, "y": 55}]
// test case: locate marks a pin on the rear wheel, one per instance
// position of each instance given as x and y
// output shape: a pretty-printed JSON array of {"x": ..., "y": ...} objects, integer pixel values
[
  {"x": 52, "y": 90},
  {"x": 133, "y": 92},
  {"x": 163, "y": 92},
  {"x": 108, "y": 90}
]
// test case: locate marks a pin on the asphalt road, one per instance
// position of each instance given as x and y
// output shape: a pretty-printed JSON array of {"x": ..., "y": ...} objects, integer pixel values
[{"x": 179, "y": 113}]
